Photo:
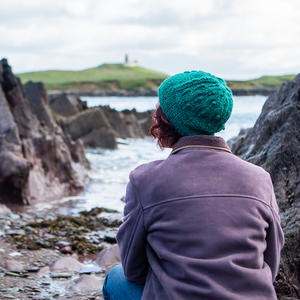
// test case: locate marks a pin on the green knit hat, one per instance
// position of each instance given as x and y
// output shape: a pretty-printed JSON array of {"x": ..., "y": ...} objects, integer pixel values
[{"x": 195, "y": 102}]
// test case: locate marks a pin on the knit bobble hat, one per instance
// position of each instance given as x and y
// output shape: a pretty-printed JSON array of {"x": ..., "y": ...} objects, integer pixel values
[{"x": 195, "y": 102}]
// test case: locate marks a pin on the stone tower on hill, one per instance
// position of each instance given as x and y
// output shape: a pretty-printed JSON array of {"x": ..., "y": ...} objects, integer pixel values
[{"x": 130, "y": 63}]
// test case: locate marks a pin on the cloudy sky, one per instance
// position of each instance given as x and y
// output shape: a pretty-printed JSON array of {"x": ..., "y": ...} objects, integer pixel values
[{"x": 233, "y": 39}]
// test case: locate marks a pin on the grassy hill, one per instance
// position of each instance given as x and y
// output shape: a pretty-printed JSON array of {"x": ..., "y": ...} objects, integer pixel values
[
  {"x": 106, "y": 76},
  {"x": 116, "y": 76},
  {"x": 265, "y": 82}
]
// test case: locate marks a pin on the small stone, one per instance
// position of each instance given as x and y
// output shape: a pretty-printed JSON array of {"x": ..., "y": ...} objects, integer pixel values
[
  {"x": 3, "y": 290},
  {"x": 12, "y": 265},
  {"x": 28, "y": 229},
  {"x": 66, "y": 249},
  {"x": 62, "y": 244},
  {"x": 110, "y": 237},
  {"x": 14, "y": 290},
  {"x": 2, "y": 250},
  {"x": 14, "y": 216},
  {"x": 15, "y": 232},
  {"x": 13, "y": 254},
  {"x": 89, "y": 270},
  {"x": 2, "y": 270},
  {"x": 33, "y": 269},
  {"x": 44, "y": 271},
  {"x": 12, "y": 274},
  {"x": 9, "y": 297},
  {"x": 60, "y": 275}
]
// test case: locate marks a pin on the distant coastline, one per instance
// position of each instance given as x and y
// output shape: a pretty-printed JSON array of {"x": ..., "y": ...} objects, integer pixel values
[
  {"x": 149, "y": 93},
  {"x": 129, "y": 81}
]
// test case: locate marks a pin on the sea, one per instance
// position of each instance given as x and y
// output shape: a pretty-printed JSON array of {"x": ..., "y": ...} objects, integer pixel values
[{"x": 110, "y": 168}]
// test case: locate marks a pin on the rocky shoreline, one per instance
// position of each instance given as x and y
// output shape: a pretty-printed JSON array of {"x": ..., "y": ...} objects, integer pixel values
[
  {"x": 44, "y": 256},
  {"x": 149, "y": 93}
]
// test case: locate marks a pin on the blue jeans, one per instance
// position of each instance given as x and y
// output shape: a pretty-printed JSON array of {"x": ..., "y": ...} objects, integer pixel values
[{"x": 117, "y": 287}]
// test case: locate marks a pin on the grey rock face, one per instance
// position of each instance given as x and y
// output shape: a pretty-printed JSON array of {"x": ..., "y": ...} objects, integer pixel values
[
  {"x": 36, "y": 157},
  {"x": 98, "y": 126},
  {"x": 273, "y": 143},
  {"x": 66, "y": 105}
]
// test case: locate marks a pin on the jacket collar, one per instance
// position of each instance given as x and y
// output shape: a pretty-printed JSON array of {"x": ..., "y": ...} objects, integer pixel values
[{"x": 201, "y": 141}]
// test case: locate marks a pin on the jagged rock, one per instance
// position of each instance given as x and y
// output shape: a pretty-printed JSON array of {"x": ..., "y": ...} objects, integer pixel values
[
  {"x": 66, "y": 105},
  {"x": 35, "y": 161},
  {"x": 4, "y": 210},
  {"x": 92, "y": 127},
  {"x": 101, "y": 126},
  {"x": 274, "y": 144}
]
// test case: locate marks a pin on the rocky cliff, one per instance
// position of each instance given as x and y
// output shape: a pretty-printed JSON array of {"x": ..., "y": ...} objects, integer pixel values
[
  {"x": 38, "y": 161},
  {"x": 274, "y": 144},
  {"x": 98, "y": 126}
]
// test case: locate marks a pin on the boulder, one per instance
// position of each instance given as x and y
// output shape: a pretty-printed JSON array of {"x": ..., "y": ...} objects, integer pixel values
[
  {"x": 67, "y": 264},
  {"x": 38, "y": 161},
  {"x": 66, "y": 105},
  {"x": 98, "y": 126},
  {"x": 273, "y": 143},
  {"x": 108, "y": 258},
  {"x": 87, "y": 282},
  {"x": 12, "y": 265},
  {"x": 92, "y": 127}
]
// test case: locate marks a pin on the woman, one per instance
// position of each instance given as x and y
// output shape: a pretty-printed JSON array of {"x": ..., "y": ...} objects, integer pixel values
[{"x": 202, "y": 224}]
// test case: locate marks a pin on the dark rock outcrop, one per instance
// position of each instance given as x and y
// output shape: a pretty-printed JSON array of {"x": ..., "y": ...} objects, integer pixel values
[
  {"x": 66, "y": 105},
  {"x": 274, "y": 144},
  {"x": 99, "y": 126},
  {"x": 37, "y": 159}
]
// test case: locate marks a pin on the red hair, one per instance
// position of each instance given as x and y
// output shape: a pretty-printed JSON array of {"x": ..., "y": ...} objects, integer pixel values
[{"x": 162, "y": 130}]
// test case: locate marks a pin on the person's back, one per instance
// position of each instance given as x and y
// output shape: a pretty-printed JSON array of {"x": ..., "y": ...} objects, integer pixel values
[
  {"x": 206, "y": 221},
  {"x": 202, "y": 224}
]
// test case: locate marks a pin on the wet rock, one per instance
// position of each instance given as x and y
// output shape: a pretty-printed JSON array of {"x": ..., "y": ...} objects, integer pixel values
[
  {"x": 67, "y": 263},
  {"x": 14, "y": 274},
  {"x": 110, "y": 237},
  {"x": 108, "y": 258},
  {"x": 87, "y": 282},
  {"x": 33, "y": 269},
  {"x": 66, "y": 249},
  {"x": 273, "y": 143},
  {"x": 44, "y": 271},
  {"x": 62, "y": 244},
  {"x": 89, "y": 270},
  {"x": 12, "y": 265},
  {"x": 61, "y": 275},
  {"x": 4, "y": 210},
  {"x": 115, "y": 219}
]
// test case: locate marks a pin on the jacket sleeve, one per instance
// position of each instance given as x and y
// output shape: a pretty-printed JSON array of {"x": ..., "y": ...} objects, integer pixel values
[
  {"x": 132, "y": 239},
  {"x": 275, "y": 239}
]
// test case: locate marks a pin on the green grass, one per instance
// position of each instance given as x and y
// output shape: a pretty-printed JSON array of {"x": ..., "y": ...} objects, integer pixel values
[
  {"x": 112, "y": 76},
  {"x": 117, "y": 76},
  {"x": 265, "y": 82}
]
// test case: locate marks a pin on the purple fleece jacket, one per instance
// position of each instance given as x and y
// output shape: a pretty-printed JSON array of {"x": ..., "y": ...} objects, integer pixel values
[{"x": 202, "y": 224}]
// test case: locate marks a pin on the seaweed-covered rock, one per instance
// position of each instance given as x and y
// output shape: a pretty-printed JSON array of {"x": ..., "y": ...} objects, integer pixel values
[{"x": 273, "y": 143}]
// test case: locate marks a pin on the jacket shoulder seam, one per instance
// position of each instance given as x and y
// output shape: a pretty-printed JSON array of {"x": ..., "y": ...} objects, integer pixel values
[{"x": 208, "y": 196}]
